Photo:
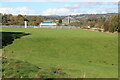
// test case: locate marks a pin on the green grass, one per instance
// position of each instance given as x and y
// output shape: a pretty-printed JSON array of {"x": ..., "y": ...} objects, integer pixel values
[
  {"x": 21, "y": 69},
  {"x": 76, "y": 51}
]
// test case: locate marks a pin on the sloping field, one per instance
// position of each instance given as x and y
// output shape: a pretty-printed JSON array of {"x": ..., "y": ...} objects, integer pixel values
[{"x": 78, "y": 52}]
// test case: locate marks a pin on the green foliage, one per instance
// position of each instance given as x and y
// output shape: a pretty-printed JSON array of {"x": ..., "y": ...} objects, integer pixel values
[
  {"x": 60, "y": 21},
  {"x": 4, "y": 19},
  {"x": 19, "y": 20},
  {"x": 106, "y": 25},
  {"x": 93, "y": 21},
  {"x": 112, "y": 24},
  {"x": 89, "y": 21},
  {"x": 1, "y": 18},
  {"x": 92, "y": 25},
  {"x": 31, "y": 23},
  {"x": 39, "y": 19},
  {"x": 75, "y": 24}
]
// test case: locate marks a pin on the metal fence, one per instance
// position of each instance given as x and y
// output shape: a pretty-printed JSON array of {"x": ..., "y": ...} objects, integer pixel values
[
  {"x": 67, "y": 27},
  {"x": 12, "y": 26}
]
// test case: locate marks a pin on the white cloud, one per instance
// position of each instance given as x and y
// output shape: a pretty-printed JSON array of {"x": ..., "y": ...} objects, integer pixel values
[
  {"x": 50, "y": 11},
  {"x": 102, "y": 10},
  {"x": 79, "y": 8},
  {"x": 72, "y": 6},
  {"x": 56, "y": 11},
  {"x": 24, "y": 10},
  {"x": 61, "y": 11},
  {"x": 90, "y": 5},
  {"x": 16, "y": 11},
  {"x": 7, "y": 10}
]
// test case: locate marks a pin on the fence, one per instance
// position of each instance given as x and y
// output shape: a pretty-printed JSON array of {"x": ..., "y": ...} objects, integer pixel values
[{"x": 67, "y": 27}]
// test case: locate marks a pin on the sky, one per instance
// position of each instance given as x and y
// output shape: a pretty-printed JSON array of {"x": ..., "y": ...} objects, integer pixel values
[{"x": 58, "y": 7}]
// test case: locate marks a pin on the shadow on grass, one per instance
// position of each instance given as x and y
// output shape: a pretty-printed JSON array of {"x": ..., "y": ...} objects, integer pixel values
[{"x": 8, "y": 37}]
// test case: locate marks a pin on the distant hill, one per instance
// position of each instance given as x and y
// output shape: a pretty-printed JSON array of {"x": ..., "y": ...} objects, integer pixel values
[{"x": 83, "y": 17}]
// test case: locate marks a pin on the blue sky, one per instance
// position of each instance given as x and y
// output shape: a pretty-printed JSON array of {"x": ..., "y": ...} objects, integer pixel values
[
  {"x": 58, "y": 8},
  {"x": 36, "y": 5}
]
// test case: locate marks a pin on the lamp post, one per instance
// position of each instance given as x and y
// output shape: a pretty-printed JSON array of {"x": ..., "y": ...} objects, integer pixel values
[
  {"x": 25, "y": 24},
  {"x": 68, "y": 19},
  {"x": 25, "y": 21}
]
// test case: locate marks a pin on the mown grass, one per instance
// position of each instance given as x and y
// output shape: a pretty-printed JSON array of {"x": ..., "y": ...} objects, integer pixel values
[
  {"x": 78, "y": 52},
  {"x": 21, "y": 69}
]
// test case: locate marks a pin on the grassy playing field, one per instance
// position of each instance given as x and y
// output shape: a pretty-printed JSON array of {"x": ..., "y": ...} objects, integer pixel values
[{"x": 78, "y": 52}]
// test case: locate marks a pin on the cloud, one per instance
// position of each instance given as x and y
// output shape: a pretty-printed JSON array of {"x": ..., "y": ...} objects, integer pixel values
[
  {"x": 61, "y": 11},
  {"x": 7, "y": 10},
  {"x": 72, "y": 6},
  {"x": 102, "y": 10},
  {"x": 78, "y": 8},
  {"x": 56, "y": 11},
  {"x": 16, "y": 11},
  {"x": 93, "y": 8},
  {"x": 90, "y": 5},
  {"x": 24, "y": 10}
]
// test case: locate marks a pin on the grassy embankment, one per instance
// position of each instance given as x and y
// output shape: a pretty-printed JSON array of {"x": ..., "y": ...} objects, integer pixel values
[{"x": 78, "y": 52}]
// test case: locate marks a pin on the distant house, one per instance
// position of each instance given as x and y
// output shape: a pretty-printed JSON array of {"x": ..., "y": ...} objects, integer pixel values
[{"x": 47, "y": 23}]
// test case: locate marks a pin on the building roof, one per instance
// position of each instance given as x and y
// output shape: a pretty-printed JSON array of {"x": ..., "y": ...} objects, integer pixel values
[{"x": 47, "y": 22}]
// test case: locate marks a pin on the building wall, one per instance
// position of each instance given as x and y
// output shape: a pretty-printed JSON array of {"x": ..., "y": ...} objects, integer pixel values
[{"x": 48, "y": 24}]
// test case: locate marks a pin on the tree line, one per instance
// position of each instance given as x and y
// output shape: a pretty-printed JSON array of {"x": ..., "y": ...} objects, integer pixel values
[
  {"x": 9, "y": 19},
  {"x": 110, "y": 24}
]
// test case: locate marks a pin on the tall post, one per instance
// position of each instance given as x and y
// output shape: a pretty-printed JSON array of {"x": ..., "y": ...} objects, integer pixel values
[
  {"x": 25, "y": 21},
  {"x": 25, "y": 24},
  {"x": 68, "y": 19}
]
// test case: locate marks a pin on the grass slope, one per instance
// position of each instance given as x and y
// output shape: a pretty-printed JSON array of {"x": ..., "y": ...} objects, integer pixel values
[
  {"x": 21, "y": 69},
  {"x": 76, "y": 51}
]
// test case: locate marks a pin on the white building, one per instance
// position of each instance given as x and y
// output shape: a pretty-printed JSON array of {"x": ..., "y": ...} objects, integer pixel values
[{"x": 47, "y": 23}]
